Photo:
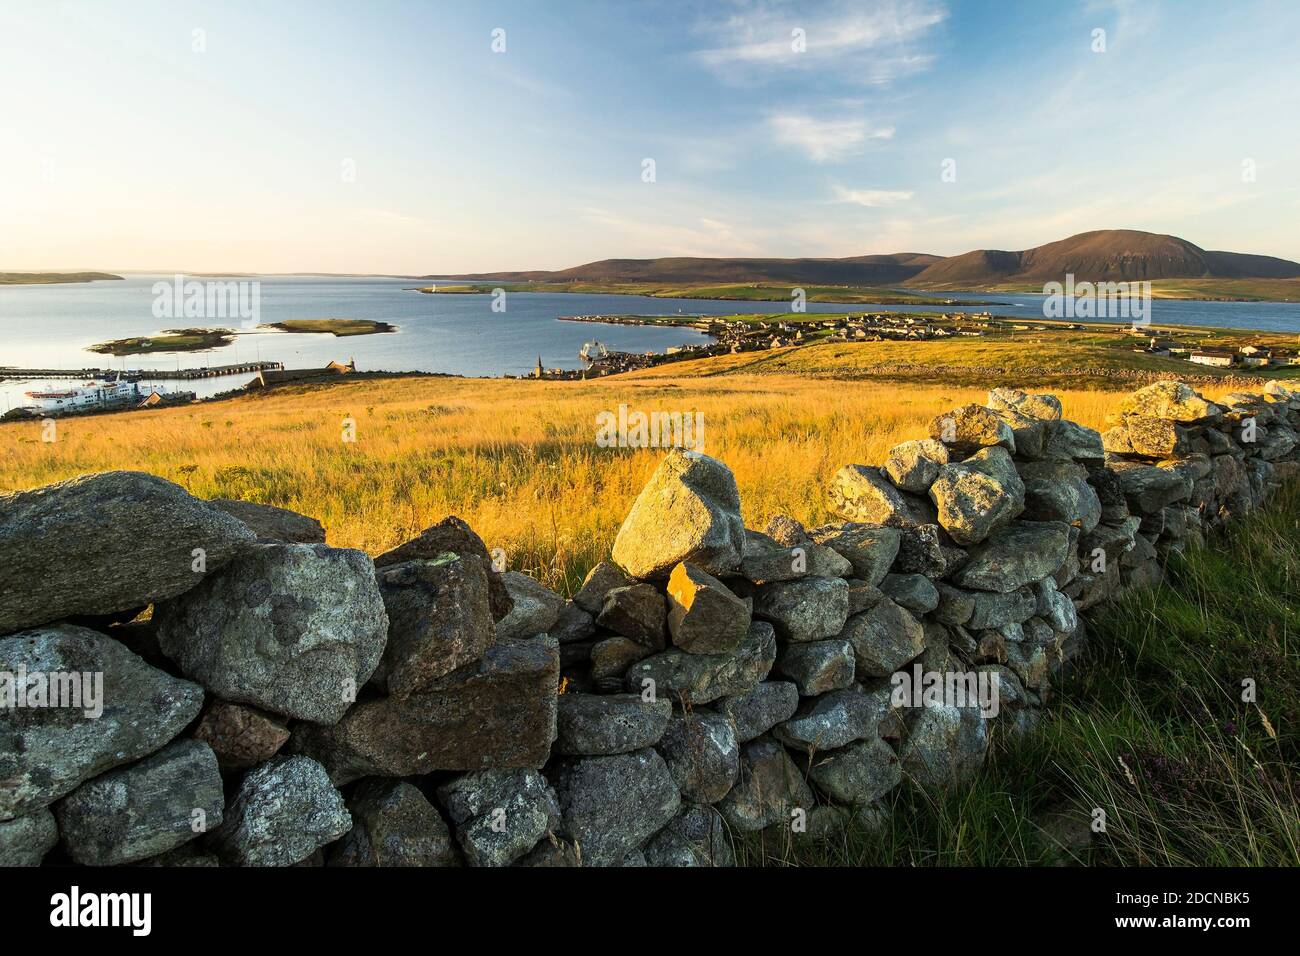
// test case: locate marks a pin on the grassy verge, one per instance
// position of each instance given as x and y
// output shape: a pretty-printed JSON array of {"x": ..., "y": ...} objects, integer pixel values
[{"x": 1151, "y": 728}]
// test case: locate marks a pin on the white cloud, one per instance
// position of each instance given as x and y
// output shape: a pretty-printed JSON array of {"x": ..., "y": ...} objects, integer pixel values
[
  {"x": 777, "y": 35},
  {"x": 871, "y": 197},
  {"x": 825, "y": 140}
]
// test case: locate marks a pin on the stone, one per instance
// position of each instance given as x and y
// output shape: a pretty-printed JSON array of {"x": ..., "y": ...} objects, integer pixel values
[
  {"x": 1149, "y": 488},
  {"x": 135, "y": 812},
  {"x": 599, "y": 581},
  {"x": 1055, "y": 608},
  {"x": 1042, "y": 406},
  {"x": 857, "y": 774},
  {"x": 455, "y": 536},
  {"x": 52, "y": 568},
  {"x": 1030, "y": 434},
  {"x": 837, "y": 719},
  {"x": 861, "y": 494},
  {"x": 817, "y": 666},
  {"x": 25, "y": 840},
  {"x": 688, "y": 511},
  {"x": 924, "y": 550},
  {"x": 638, "y": 612},
  {"x": 284, "y": 811},
  {"x": 551, "y": 852},
  {"x": 702, "y": 755},
  {"x": 573, "y": 626},
  {"x": 270, "y": 524},
  {"x": 696, "y": 837},
  {"x": 239, "y": 735},
  {"x": 439, "y": 618},
  {"x": 914, "y": 465},
  {"x": 393, "y": 824},
  {"x": 1149, "y": 437},
  {"x": 294, "y": 629},
  {"x": 769, "y": 788},
  {"x": 610, "y": 660},
  {"x": 1169, "y": 400},
  {"x": 704, "y": 616},
  {"x": 46, "y": 752},
  {"x": 870, "y": 549},
  {"x": 755, "y": 713},
  {"x": 912, "y": 591},
  {"x": 978, "y": 496},
  {"x": 1069, "y": 441},
  {"x": 611, "y": 805},
  {"x": 991, "y": 609},
  {"x": 883, "y": 639},
  {"x": 955, "y": 605},
  {"x": 945, "y": 745},
  {"x": 535, "y": 611},
  {"x": 1059, "y": 491},
  {"x": 786, "y": 531},
  {"x": 1020, "y": 554},
  {"x": 595, "y": 724},
  {"x": 805, "y": 610},
  {"x": 702, "y": 678},
  {"x": 497, "y": 712},
  {"x": 966, "y": 430},
  {"x": 862, "y": 596},
  {"x": 500, "y": 815}
]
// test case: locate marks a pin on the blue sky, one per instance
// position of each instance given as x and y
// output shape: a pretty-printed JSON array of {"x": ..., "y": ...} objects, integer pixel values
[{"x": 390, "y": 137}]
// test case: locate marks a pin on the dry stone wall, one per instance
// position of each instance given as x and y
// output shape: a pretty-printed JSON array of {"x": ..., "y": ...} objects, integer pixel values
[{"x": 291, "y": 703}]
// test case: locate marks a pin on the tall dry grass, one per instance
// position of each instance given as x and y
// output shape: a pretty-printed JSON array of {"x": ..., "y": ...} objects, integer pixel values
[{"x": 517, "y": 460}]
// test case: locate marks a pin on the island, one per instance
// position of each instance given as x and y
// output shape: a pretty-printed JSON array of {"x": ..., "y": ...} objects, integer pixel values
[
  {"x": 52, "y": 278},
  {"x": 171, "y": 340},
  {"x": 337, "y": 327},
  {"x": 742, "y": 292}
]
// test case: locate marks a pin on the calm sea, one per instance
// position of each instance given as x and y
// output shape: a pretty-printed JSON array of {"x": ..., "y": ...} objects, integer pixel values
[{"x": 50, "y": 326}]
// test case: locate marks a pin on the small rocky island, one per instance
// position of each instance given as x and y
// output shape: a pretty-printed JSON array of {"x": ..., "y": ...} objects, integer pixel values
[{"x": 201, "y": 340}]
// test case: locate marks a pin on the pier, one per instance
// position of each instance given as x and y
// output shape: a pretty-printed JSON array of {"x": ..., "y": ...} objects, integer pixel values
[{"x": 135, "y": 375}]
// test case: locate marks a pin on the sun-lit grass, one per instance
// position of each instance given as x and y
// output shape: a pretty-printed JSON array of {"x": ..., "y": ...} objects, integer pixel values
[{"x": 517, "y": 460}]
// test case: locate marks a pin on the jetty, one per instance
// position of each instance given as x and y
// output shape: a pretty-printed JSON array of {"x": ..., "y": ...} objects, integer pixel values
[{"x": 135, "y": 375}]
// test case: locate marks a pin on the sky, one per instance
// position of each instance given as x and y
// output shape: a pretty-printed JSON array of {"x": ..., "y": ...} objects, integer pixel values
[{"x": 449, "y": 138}]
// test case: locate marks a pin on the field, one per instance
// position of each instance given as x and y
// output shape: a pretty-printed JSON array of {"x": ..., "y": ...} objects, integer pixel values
[{"x": 516, "y": 459}]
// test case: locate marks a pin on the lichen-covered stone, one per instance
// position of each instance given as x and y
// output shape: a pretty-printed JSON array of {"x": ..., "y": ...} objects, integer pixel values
[
  {"x": 913, "y": 465},
  {"x": 870, "y": 549},
  {"x": 393, "y": 824},
  {"x": 805, "y": 610},
  {"x": 883, "y": 639},
  {"x": 638, "y": 612},
  {"x": 594, "y": 724},
  {"x": 25, "y": 840},
  {"x": 704, "y": 616},
  {"x": 500, "y": 815},
  {"x": 861, "y": 493},
  {"x": 535, "y": 607},
  {"x": 702, "y": 754},
  {"x": 769, "y": 788},
  {"x": 761, "y": 709},
  {"x": 816, "y": 666},
  {"x": 1020, "y": 554},
  {"x": 701, "y": 678}
]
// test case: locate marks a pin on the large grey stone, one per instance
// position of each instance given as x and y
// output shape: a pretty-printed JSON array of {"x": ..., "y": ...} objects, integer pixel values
[
  {"x": 1039, "y": 405},
  {"x": 148, "y": 808},
  {"x": 599, "y": 581},
  {"x": 758, "y": 711},
  {"x": 883, "y": 639},
  {"x": 704, "y": 617},
  {"x": 702, "y": 754},
  {"x": 295, "y": 629},
  {"x": 977, "y": 496},
  {"x": 25, "y": 840},
  {"x": 816, "y": 666},
  {"x": 913, "y": 465},
  {"x": 611, "y": 805},
  {"x": 696, "y": 837},
  {"x": 966, "y": 430},
  {"x": 595, "y": 724},
  {"x": 1059, "y": 491},
  {"x": 1171, "y": 400},
  {"x": 270, "y": 523},
  {"x": 46, "y": 751},
  {"x": 454, "y": 536},
  {"x": 688, "y": 511},
  {"x": 500, "y": 814},
  {"x": 496, "y": 712},
  {"x": 104, "y": 543},
  {"x": 870, "y": 549},
  {"x": 770, "y": 787},
  {"x": 283, "y": 812},
  {"x": 913, "y": 591},
  {"x": 439, "y": 618},
  {"x": 860, "y": 493},
  {"x": 638, "y": 612},
  {"x": 701, "y": 678},
  {"x": 535, "y": 609},
  {"x": 857, "y": 774},
  {"x": 945, "y": 745},
  {"x": 1020, "y": 554},
  {"x": 837, "y": 719},
  {"x": 806, "y": 610},
  {"x": 393, "y": 824}
]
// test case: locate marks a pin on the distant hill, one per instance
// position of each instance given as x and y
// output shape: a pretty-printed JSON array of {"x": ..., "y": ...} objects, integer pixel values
[
  {"x": 1104, "y": 255},
  {"x": 855, "y": 270},
  {"x": 1111, "y": 255}
]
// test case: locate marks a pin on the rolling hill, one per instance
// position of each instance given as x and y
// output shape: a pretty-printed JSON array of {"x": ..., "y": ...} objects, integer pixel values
[{"x": 1104, "y": 255}]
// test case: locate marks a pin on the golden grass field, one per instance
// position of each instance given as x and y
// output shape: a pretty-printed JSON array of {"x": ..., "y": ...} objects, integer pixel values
[{"x": 516, "y": 459}]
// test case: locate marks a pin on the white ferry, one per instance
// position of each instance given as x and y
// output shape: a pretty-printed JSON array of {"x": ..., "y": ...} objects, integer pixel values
[
  {"x": 592, "y": 350},
  {"x": 93, "y": 394}
]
